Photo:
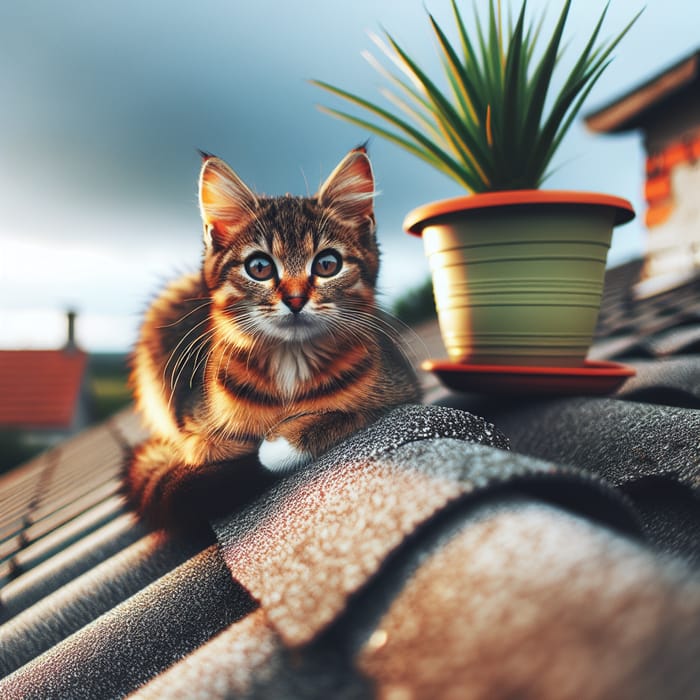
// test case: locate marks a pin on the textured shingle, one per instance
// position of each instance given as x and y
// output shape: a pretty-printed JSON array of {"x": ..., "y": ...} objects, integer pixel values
[{"x": 419, "y": 559}]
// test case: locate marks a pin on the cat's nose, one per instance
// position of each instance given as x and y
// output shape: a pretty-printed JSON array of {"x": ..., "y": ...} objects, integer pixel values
[{"x": 295, "y": 303}]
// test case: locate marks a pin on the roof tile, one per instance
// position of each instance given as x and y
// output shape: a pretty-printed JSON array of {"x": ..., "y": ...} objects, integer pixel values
[{"x": 40, "y": 388}]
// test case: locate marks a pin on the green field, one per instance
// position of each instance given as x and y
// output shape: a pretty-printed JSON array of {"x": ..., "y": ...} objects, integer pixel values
[{"x": 108, "y": 384}]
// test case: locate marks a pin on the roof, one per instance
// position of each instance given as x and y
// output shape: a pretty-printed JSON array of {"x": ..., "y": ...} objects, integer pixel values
[
  {"x": 476, "y": 546},
  {"x": 636, "y": 107},
  {"x": 40, "y": 388}
]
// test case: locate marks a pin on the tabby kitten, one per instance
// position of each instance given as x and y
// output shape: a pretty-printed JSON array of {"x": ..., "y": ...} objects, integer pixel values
[{"x": 275, "y": 346}]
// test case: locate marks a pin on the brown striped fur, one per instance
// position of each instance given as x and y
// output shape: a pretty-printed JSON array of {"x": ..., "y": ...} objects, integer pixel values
[{"x": 228, "y": 365}]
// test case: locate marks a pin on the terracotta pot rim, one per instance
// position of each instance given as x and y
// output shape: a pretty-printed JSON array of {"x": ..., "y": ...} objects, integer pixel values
[{"x": 418, "y": 218}]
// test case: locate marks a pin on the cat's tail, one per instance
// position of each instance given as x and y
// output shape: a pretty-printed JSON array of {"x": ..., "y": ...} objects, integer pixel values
[{"x": 169, "y": 494}]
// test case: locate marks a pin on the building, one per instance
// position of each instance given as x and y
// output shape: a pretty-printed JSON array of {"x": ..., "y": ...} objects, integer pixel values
[
  {"x": 44, "y": 393},
  {"x": 666, "y": 109}
]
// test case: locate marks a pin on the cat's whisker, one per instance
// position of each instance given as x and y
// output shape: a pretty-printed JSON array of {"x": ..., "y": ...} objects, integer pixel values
[
  {"x": 178, "y": 321},
  {"x": 182, "y": 363},
  {"x": 407, "y": 330},
  {"x": 398, "y": 334},
  {"x": 392, "y": 335},
  {"x": 213, "y": 350},
  {"x": 200, "y": 362},
  {"x": 373, "y": 325},
  {"x": 372, "y": 322},
  {"x": 174, "y": 351},
  {"x": 246, "y": 325},
  {"x": 200, "y": 359},
  {"x": 243, "y": 318},
  {"x": 185, "y": 356}
]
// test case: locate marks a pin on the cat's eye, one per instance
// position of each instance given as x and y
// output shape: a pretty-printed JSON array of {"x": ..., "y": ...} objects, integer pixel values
[
  {"x": 327, "y": 264},
  {"x": 260, "y": 267}
]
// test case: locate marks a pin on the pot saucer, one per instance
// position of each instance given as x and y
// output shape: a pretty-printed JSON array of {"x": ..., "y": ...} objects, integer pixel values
[{"x": 593, "y": 378}]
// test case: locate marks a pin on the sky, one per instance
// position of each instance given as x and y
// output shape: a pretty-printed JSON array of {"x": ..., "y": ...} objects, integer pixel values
[{"x": 104, "y": 105}]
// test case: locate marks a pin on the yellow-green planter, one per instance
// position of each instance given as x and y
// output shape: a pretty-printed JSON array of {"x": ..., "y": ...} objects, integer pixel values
[{"x": 518, "y": 275}]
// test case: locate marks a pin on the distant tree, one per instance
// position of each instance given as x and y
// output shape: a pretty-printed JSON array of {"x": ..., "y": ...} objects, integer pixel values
[
  {"x": 108, "y": 384},
  {"x": 15, "y": 450},
  {"x": 417, "y": 304}
]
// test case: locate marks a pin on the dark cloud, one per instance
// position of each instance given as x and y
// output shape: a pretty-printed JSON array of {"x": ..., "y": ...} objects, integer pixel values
[{"x": 104, "y": 105}]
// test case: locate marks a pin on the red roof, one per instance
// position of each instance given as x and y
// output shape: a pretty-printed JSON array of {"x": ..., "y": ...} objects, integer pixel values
[{"x": 40, "y": 388}]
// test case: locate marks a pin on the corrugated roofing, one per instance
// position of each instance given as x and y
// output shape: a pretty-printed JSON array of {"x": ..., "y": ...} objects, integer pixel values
[
  {"x": 40, "y": 388},
  {"x": 419, "y": 559}
]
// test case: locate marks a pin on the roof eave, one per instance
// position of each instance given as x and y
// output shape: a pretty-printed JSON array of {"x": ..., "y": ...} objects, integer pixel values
[{"x": 627, "y": 112}]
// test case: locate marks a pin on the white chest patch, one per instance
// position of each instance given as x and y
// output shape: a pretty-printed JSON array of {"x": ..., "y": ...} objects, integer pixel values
[{"x": 291, "y": 368}]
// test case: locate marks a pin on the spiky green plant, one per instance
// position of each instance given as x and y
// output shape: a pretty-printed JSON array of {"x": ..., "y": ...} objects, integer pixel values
[{"x": 494, "y": 128}]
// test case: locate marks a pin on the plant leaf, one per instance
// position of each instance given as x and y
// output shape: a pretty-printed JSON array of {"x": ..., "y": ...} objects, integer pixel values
[
  {"x": 465, "y": 88},
  {"x": 413, "y": 114},
  {"x": 541, "y": 80},
  {"x": 471, "y": 64},
  {"x": 465, "y": 144},
  {"x": 410, "y": 92},
  {"x": 514, "y": 83},
  {"x": 580, "y": 82},
  {"x": 422, "y": 144},
  {"x": 495, "y": 126}
]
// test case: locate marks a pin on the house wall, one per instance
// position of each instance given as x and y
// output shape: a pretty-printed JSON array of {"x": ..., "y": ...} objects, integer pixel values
[
  {"x": 672, "y": 141},
  {"x": 674, "y": 119},
  {"x": 673, "y": 247}
]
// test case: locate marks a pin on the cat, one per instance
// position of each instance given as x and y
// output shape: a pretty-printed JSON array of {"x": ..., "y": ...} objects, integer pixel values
[{"x": 275, "y": 347}]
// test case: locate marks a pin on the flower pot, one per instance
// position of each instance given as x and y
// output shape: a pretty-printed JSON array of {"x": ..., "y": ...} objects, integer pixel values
[{"x": 518, "y": 275}]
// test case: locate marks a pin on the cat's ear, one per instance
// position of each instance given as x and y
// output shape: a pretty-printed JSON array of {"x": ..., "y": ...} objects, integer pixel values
[
  {"x": 225, "y": 202},
  {"x": 349, "y": 189}
]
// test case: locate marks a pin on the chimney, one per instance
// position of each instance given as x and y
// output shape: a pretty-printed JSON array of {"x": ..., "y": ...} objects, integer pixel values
[{"x": 70, "y": 340}]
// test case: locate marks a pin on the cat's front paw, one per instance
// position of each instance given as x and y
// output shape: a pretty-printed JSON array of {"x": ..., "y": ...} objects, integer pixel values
[{"x": 279, "y": 455}]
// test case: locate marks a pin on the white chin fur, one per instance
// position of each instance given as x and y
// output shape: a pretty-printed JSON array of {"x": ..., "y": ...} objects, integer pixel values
[
  {"x": 295, "y": 332},
  {"x": 280, "y": 456}
]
